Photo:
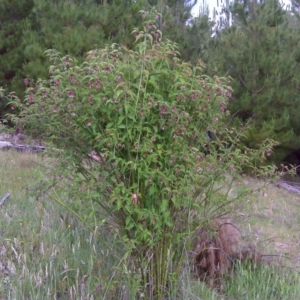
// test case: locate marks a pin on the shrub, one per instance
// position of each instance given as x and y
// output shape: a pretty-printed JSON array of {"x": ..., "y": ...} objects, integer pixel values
[{"x": 133, "y": 128}]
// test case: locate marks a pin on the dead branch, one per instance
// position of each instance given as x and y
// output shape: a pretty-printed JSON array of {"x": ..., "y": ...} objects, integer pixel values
[
  {"x": 2, "y": 201},
  {"x": 22, "y": 148}
]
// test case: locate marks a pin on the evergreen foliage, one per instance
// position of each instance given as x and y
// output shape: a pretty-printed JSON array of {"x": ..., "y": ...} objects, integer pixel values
[
  {"x": 260, "y": 51},
  {"x": 191, "y": 34},
  {"x": 197, "y": 39},
  {"x": 72, "y": 27},
  {"x": 13, "y": 20}
]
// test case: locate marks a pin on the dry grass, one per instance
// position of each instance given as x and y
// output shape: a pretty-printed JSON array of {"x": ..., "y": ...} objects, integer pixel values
[
  {"x": 270, "y": 219},
  {"x": 16, "y": 174}
]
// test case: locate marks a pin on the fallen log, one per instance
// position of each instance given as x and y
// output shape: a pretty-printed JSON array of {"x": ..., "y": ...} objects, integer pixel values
[
  {"x": 289, "y": 187},
  {"x": 30, "y": 148}
]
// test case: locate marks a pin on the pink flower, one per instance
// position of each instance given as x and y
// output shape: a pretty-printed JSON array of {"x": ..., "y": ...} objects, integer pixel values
[
  {"x": 198, "y": 158},
  {"x": 72, "y": 78},
  {"x": 67, "y": 62},
  {"x": 134, "y": 199},
  {"x": 71, "y": 93},
  {"x": 163, "y": 109},
  {"x": 90, "y": 99},
  {"x": 30, "y": 99},
  {"x": 120, "y": 79},
  {"x": 222, "y": 107}
]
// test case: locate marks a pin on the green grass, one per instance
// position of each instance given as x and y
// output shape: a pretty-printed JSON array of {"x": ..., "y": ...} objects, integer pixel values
[
  {"x": 262, "y": 282},
  {"x": 46, "y": 253}
]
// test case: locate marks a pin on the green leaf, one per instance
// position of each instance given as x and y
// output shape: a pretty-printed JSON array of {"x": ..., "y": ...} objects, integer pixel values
[
  {"x": 164, "y": 205},
  {"x": 118, "y": 93},
  {"x": 152, "y": 190},
  {"x": 150, "y": 37},
  {"x": 128, "y": 223}
]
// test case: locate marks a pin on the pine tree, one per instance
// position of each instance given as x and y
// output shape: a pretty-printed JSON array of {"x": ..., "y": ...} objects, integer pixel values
[
  {"x": 176, "y": 20},
  {"x": 13, "y": 19},
  {"x": 72, "y": 27},
  {"x": 260, "y": 51},
  {"x": 295, "y": 6},
  {"x": 197, "y": 38}
]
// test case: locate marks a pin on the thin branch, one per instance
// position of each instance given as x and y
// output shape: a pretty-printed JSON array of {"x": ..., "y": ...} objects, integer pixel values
[
  {"x": 2, "y": 201},
  {"x": 229, "y": 223},
  {"x": 258, "y": 91},
  {"x": 244, "y": 84}
]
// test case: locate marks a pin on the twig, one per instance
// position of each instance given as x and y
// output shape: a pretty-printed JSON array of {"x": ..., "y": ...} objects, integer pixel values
[
  {"x": 4, "y": 199},
  {"x": 228, "y": 223}
]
